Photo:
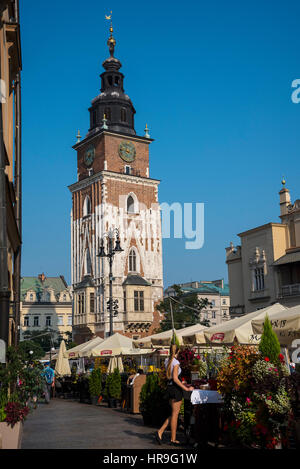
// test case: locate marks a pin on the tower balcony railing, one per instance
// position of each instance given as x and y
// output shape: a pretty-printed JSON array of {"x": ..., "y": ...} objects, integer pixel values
[
  {"x": 131, "y": 171},
  {"x": 290, "y": 290}
]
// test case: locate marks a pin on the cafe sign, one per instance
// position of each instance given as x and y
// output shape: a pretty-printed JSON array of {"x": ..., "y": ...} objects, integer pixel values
[{"x": 106, "y": 352}]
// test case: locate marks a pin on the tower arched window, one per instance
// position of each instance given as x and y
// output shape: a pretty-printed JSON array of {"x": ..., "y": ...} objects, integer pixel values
[
  {"x": 107, "y": 113},
  {"x": 132, "y": 261},
  {"x": 123, "y": 114},
  {"x": 130, "y": 204},
  {"x": 87, "y": 206}
]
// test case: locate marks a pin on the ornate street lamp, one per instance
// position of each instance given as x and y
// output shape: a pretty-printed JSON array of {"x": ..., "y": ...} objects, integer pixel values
[{"x": 110, "y": 254}]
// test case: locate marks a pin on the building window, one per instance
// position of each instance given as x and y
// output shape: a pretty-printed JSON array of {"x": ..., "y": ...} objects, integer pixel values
[
  {"x": 135, "y": 337},
  {"x": 130, "y": 204},
  {"x": 223, "y": 302},
  {"x": 213, "y": 315},
  {"x": 69, "y": 320},
  {"x": 107, "y": 113},
  {"x": 213, "y": 302},
  {"x": 259, "y": 279},
  {"x": 86, "y": 206},
  {"x": 92, "y": 303},
  {"x": 132, "y": 261},
  {"x": 26, "y": 321},
  {"x": 64, "y": 297},
  {"x": 127, "y": 170},
  {"x": 81, "y": 308},
  {"x": 31, "y": 297},
  {"x": 36, "y": 321},
  {"x": 224, "y": 313},
  {"x": 125, "y": 301},
  {"x": 138, "y": 301},
  {"x": 48, "y": 320},
  {"x": 123, "y": 115},
  {"x": 60, "y": 321}
]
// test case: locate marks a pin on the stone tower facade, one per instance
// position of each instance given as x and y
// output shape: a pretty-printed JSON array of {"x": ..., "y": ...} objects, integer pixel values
[{"x": 114, "y": 191}]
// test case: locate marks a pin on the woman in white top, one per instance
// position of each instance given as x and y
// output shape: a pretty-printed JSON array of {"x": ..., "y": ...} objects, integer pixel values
[{"x": 175, "y": 390}]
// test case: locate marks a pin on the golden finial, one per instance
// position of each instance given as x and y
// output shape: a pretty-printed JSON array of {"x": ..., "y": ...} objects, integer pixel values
[
  {"x": 111, "y": 40},
  {"x": 283, "y": 181}
]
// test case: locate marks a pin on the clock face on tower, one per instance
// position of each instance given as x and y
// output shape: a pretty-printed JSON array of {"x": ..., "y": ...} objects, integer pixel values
[
  {"x": 127, "y": 151},
  {"x": 89, "y": 155}
]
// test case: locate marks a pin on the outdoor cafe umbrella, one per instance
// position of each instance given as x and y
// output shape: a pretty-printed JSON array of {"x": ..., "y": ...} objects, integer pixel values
[
  {"x": 286, "y": 325},
  {"x": 115, "y": 362},
  {"x": 74, "y": 352},
  {"x": 113, "y": 345},
  {"x": 240, "y": 329},
  {"x": 62, "y": 367}
]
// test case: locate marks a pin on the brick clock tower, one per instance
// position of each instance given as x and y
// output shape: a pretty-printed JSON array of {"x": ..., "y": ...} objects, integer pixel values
[{"x": 114, "y": 191}]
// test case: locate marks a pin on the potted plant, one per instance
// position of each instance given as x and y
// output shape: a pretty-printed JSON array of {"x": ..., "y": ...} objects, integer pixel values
[
  {"x": 153, "y": 406},
  {"x": 113, "y": 388},
  {"x": 95, "y": 385}
]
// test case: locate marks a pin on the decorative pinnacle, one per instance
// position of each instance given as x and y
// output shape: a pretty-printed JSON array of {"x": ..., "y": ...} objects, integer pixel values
[
  {"x": 111, "y": 42},
  {"x": 283, "y": 181},
  {"x": 104, "y": 120},
  {"x": 78, "y": 136},
  {"x": 147, "y": 135}
]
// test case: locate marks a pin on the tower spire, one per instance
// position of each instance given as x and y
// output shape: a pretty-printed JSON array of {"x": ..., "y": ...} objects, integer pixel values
[{"x": 111, "y": 42}]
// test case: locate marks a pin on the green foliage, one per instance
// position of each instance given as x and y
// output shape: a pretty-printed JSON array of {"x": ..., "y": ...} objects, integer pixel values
[
  {"x": 28, "y": 346},
  {"x": 269, "y": 344},
  {"x": 113, "y": 385},
  {"x": 182, "y": 314},
  {"x": 95, "y": 383},
  {"x": 151, "y": 394},
  {"x": 44, "y": 339}
]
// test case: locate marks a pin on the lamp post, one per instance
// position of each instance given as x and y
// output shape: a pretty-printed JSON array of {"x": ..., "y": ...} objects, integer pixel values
[{"x": 111, "y": 251}]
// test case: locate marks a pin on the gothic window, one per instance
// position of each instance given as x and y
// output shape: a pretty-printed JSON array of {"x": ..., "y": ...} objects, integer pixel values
[
  {"x": 86, "y": 206},
  {"x": 123, "y": 115},
  {"x": 92, "y": 303},
  {"x": 125, "y": 301},
  {"x": 130, "y": 204},
  {"x": 132, "y": 260},
  {"x": 259, "y": 279},
  {"x": 88, "y": 262},
  {"x": 138, "y": 301}
]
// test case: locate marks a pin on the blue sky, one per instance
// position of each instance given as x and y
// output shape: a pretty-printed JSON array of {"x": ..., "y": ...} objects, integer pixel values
[{"x": 213, "y": 82}]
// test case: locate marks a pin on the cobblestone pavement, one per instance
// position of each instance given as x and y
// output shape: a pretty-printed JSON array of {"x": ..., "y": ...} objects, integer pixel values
[{"x": 64, "y": 424}]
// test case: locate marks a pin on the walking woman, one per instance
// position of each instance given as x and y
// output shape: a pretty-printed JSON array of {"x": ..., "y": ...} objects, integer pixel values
[{"x": 175, "y": 390}]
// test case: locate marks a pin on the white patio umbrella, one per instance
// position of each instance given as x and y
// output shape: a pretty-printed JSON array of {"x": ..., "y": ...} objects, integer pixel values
[
  {"x": 113, "y": 345},
  {"x": 62, "y": 367},
  {"x": 75, "y": 351},
  {"x": 286, "y": 325},
  {"x": 240, "y": 329}
]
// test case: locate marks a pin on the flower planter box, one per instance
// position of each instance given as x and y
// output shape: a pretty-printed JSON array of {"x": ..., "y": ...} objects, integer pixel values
[{"x": 11, "y": 438}]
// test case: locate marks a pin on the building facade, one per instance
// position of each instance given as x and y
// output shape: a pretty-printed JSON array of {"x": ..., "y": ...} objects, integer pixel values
[
  {"x": 265, "y": 267},
  {"x": 215, "y": 291},
  {"x": 10, "y": 172},
  {"x": 46, "y": 304},
  {"x": 114, "y": 191}
]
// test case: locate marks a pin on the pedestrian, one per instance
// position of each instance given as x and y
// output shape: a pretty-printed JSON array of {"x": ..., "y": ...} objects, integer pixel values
[
  {"x": 48, "y": 374},
  {"x": 175, "y": 389}
]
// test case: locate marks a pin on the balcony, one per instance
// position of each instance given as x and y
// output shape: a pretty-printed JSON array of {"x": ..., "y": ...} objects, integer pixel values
[{"x": 290, "y": 290}]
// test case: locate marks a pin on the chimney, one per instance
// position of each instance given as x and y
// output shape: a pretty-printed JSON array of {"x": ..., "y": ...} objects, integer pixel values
[{"x": 285, "y": 199}]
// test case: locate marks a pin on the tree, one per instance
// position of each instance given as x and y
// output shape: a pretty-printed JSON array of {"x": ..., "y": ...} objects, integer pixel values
[
  {"x": 186, "y": 313},
  {"x": 28, "y": 346},
  {"x": 46, "y": 338},
  {"x": 269, "y": 344}
]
